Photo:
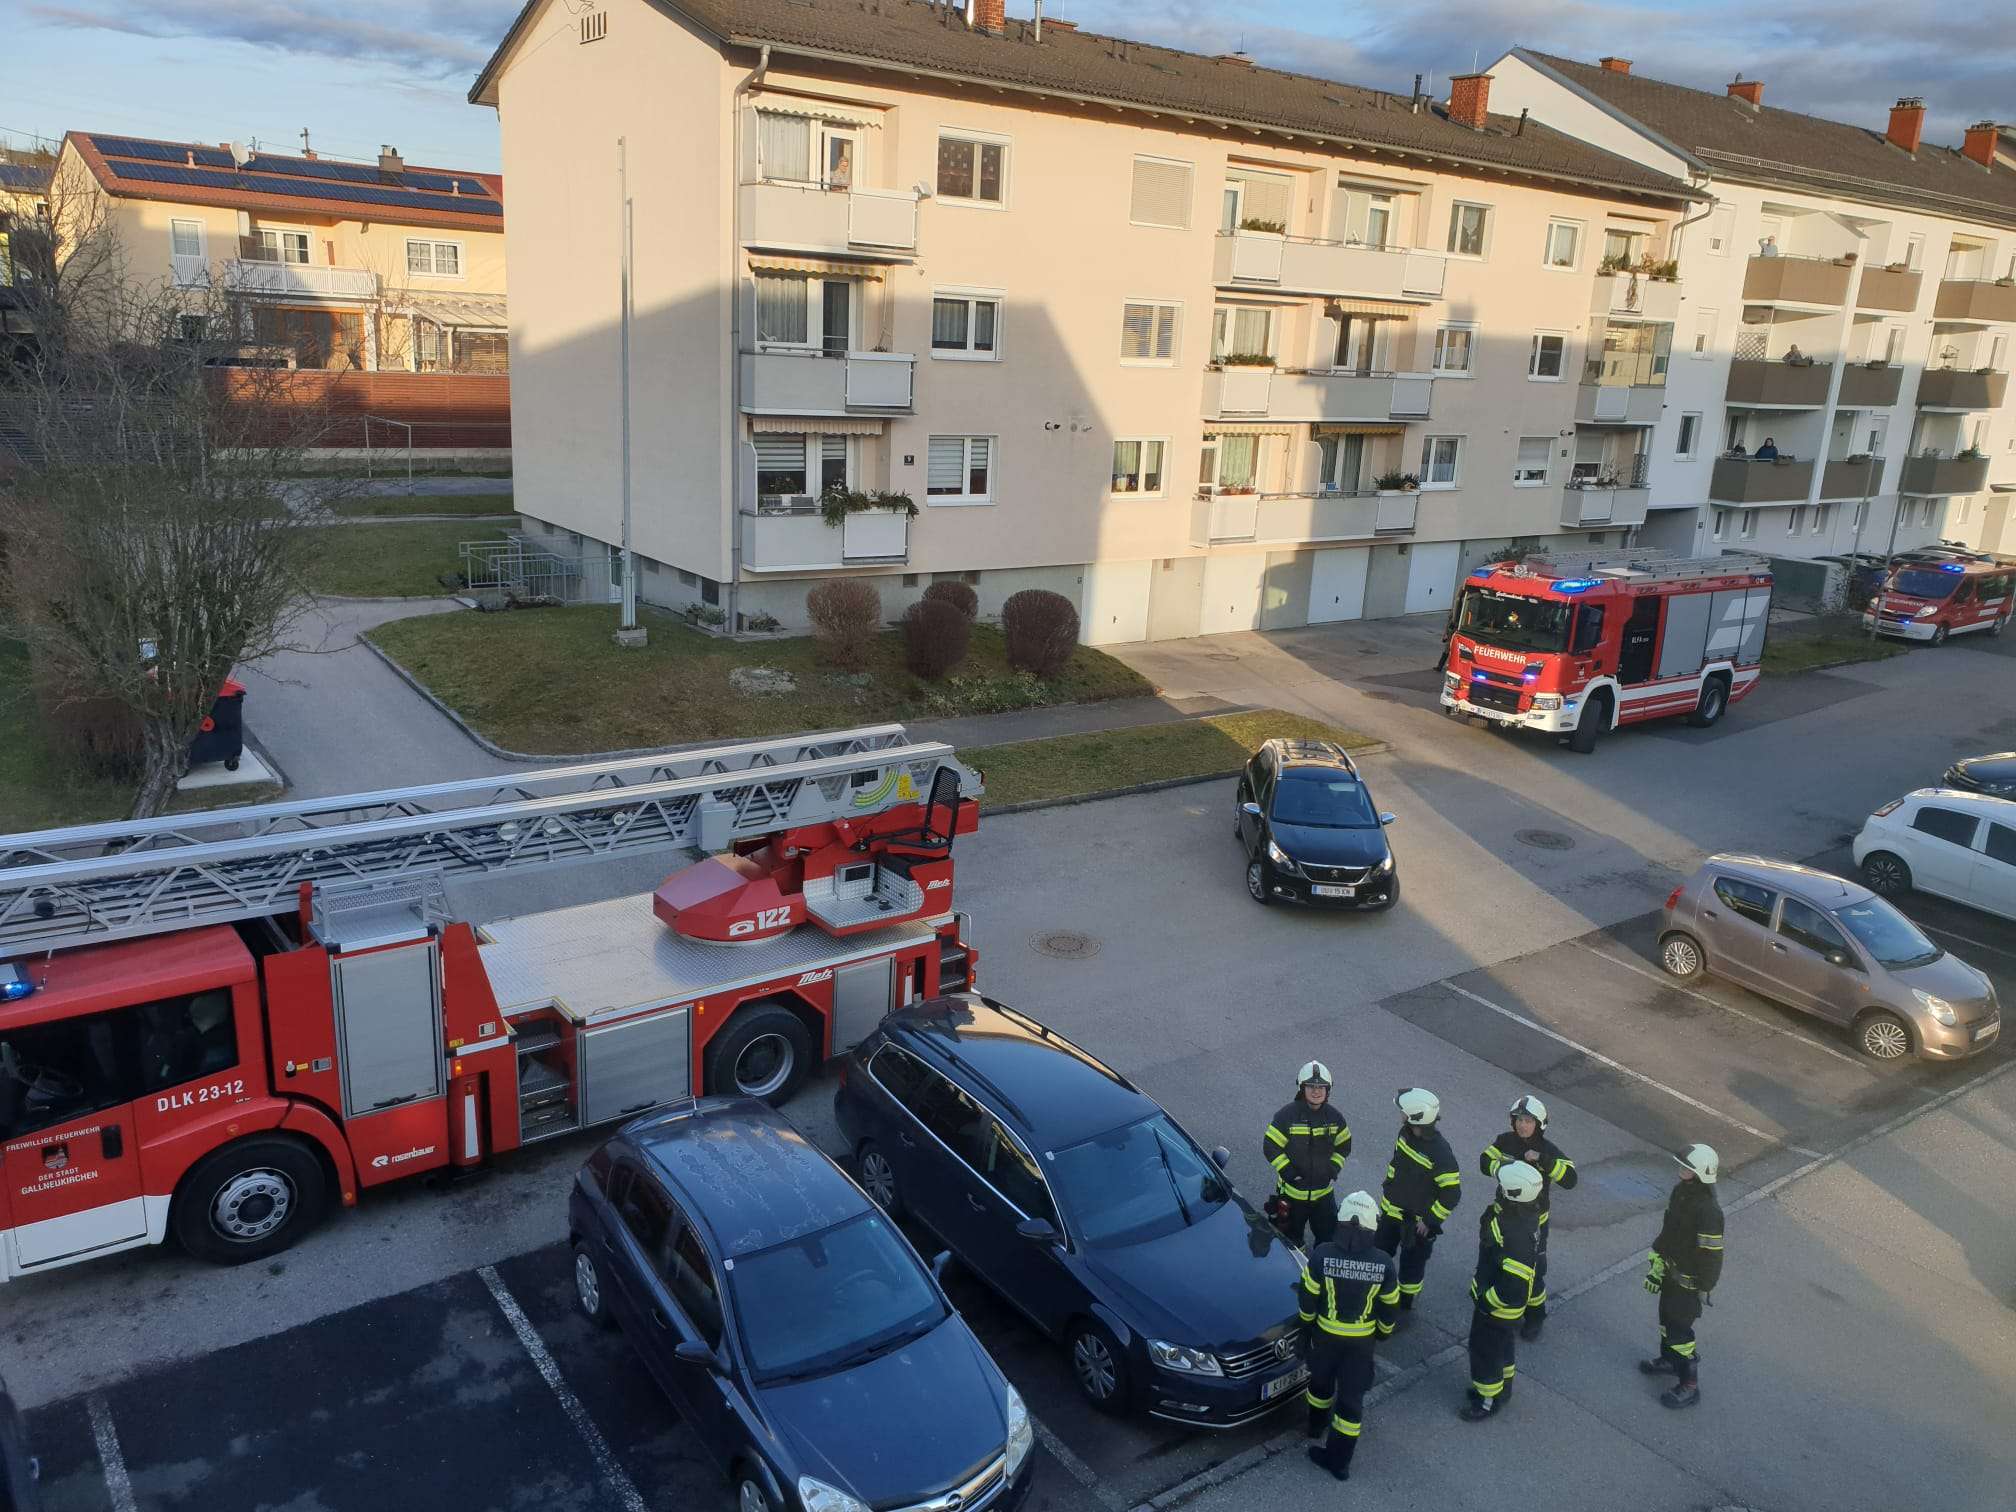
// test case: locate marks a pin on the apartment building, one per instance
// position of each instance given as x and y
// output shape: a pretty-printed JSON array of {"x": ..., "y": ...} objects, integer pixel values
[
  {"x": 24, "y": 209},
  {"x": 1160, "y": 331},
  {"x": 1848, "y": 300},
  {"x": 336, "y": 266}
]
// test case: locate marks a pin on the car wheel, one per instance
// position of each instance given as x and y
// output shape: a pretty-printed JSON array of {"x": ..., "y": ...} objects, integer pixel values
[
  {"x": 1995, "y": 626},
  {"x": 765, "y": 1052},
  {"x": 1938, "y": 635},
  {"x": 591, "y": 1290},
  {"x": 1714, "y": 699},
  {"x": 1883, "y": 1036},
  {"x": 1886, "y": 874},
  {"x": 1592, "y": 726},
  {"x": 1099, "y": 1368},
  {"x": 878, "y": 1178},
  {"x": 248, "y": 1201},
  {"x": 1256, "y": 882},
  {"x": 1680, "y": 955},
  {"x": 750, "y": 1495}
]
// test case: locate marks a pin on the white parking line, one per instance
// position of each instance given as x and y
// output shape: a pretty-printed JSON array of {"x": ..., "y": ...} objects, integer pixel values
[
  {"x": 1653, "y": 976},
  {"x": 1964, "y": 939},
  {"x": 1621, "y": 1068},
  {"x": 1076, "y": 1468},
  {"x": 118, "y": 1484},
  {"x": 612, "y": 1472}
]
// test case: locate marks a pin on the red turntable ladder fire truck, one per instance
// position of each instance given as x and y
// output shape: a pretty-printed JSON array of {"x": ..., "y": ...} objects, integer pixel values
[
  {"x": 1577, "y": 645},
  {"x": 212, "y": 1025}
]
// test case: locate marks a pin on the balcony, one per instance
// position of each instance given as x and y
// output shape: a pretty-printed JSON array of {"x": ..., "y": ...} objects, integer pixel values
[
  {"x": 1588, "y": 504},
  {"x": 793, "y": 217},
  {"x": 1866, "y": 387},
  {"x": 1298, "y": 519},
  {"x": 1888, "y": 289},
  {"x": 788, "y": 534},
  {"x": 1976, "y": 301},
  {"x": 1635, "y": 296},
  {"x": 1951, "y": 389},
  {"x": 1293, "y": 394},
  {"x": 1848, "y": 478},
  {"x": 1260, "y": 259},
  {"x": 1943, "y": 473},
  {"x": 1811, "y": 281},
  {"x": 1744, "y": 480},
  {"x": 250, "y": 275},
  {"x": 1619, "y": 403},
  {"x": 1790, "y": 385},
  {"x": 822, "y": 383}
]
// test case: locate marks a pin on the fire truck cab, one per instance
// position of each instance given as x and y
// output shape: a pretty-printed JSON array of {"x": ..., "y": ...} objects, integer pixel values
[
  {"x": 1578, "y": 646},
  {"x": 1942, "y": 592}
]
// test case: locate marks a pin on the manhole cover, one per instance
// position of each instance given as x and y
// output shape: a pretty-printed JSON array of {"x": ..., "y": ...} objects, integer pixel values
[
  {"x": 1545, "y": 839},
  {"x": 1065, "y": 944},
  {"x": 1221, "y": 656}
]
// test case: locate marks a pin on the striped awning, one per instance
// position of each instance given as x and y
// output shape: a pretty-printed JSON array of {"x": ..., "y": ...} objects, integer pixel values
[
  {"x": 817, "y": 110},
  {"x": 1357, "y": 428},
  {"x": 1375, "y": 309},
  {"x": 1248, "y": 430},
  {"x": 818, "y": 425},
  {"x": 815, "y": 267}
]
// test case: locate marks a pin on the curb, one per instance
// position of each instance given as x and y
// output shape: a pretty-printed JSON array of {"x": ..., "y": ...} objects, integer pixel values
[
  {"x": 1162, "y": 784},
  {"x": 489, "y": 747}
]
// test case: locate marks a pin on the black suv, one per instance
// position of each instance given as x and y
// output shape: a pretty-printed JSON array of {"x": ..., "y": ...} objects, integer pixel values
[
  {"x": 1310, "y": 830},
  {"x": 1994, "y": 775},
  {"x": 1083, "y": 1204}
]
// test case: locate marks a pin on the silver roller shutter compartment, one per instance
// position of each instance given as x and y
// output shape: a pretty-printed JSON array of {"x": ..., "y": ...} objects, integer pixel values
[
  {"x": 629, "y": 1068},
  {"x": 388, "y": 1024},
  {"x": 861, "y": 996}
]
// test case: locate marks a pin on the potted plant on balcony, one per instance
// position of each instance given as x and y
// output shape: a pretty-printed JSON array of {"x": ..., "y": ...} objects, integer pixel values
[
  {"x": 1256, "y": 223},
  {"x": 1389, "y": 484},
  {"x": 1246, "y": 359},
  {"x": 837, "y": 503},
  {"x": 1616, "y": 262},
  {"x": 1971, "y": 454}
]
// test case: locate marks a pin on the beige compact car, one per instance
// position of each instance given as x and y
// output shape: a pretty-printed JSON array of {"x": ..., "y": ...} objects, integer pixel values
[{"x": 1831, "y": 948}]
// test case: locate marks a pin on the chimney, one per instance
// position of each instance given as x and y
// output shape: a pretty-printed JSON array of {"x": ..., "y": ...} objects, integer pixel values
[
  {"x": 1907, "y": 123},
  {"x": 1615, "y": 65},
  {"x": 189, "y": 158},
  {"x": 1052, "y": 24},
  {"x": 390, "y": 164},
  {"x": 1749, "y": 91},
  {"x": 1469, "y": 99},
  {"x": 987, "y": 15},
  {"x": 1980, "y": 143}
]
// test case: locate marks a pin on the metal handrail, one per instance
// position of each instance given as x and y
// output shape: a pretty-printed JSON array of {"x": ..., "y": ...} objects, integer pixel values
[{"x": 1331, "y": 241}]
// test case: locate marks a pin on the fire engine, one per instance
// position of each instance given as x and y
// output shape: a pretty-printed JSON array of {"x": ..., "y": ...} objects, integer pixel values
[
  {"x": 1577, "y": 646},
  {"x": 1944, "y": 591},
  {"x": 211, "y": 1025}
]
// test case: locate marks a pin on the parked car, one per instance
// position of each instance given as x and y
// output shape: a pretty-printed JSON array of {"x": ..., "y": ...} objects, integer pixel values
[
  {"x": 1078, "y": 1199},
  {"x": 1994, "y": 775},
  {"x": 1957, "y": 845},
  {"x": 1310, "y": 830},
  {"x": 19, "y": 1472},
  {"x": 1832, "y": 948},
  {"x": 794, "y": 1328}
]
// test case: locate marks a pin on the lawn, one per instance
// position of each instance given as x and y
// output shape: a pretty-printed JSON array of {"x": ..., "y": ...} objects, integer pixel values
[
  {"x": 392, "y": 506},
  {"x": 551, "y": 681},
  {"x": 389, "y": 561},
  {"x": 1800, "y": 653},
  {"x": 1077, "y": 766}
]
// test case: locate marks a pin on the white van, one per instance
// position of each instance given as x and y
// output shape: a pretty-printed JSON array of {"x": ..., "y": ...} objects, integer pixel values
[{"x": 1958, "y": 845}]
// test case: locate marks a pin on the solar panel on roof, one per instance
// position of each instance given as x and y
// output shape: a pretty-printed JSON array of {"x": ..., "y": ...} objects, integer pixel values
[
  {"x": 358, "y": 173},
  {"x": 160, "y": 152},
  {"x": 303, "y": 188}
]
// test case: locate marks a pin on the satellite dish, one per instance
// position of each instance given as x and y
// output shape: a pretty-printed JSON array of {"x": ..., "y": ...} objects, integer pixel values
[{"x": 240, "y": 154}]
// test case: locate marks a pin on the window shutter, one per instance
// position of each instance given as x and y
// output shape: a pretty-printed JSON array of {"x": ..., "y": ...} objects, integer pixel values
[
  {"x": 1161, "y": 193},
  {"x": 1137, "y": 327},
  {"x": 1533, "y": 453},
  {"x": 778, "y": 453},
  {"x": 833, "y": 448},
  {"x": 945, "y": 467},
  {"x": 1268, "y": 196},
  {"x": 1165, "y": 332}
]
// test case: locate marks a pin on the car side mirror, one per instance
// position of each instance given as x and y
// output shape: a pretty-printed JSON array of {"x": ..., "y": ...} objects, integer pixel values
[
  {"x": 1250, "y": 810},
  {"x": 938, "y": 1263},
  {"x": 1037, "y": 1230},
  {"x": 1385, "y": 819},
  {"x": 693, "y": 1352},
  {"x": 1221, "y": 1157}
]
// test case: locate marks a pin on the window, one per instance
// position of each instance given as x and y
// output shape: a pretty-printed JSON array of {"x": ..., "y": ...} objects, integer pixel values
[
  {"x": 1564, "y": 243},
  {"x": 1823, "y": 514},
  {"x": 1859, "y": 518},
  {"x": 1588, "y": 629},
  {"x": 1469, "y": 229},
  {"x": 1721, "y": 527},
  {"x": 1813, "y": 929},
  {"x": 1241, "y": 331},
  {"x": 1440, "y": 458},
  {"x": 1746, "y": 899},
  {"x": 646, "y": 1212},
  {"x": 440, "y": 259},
  {"x": 329, "y": 339},
  {"x": 1148, "y": 333},
  {"x": 183, "y": 1038},
  {"x": 1704, "y": 333},
  {"x": 1795, "y": 519},
  {"x": 1340, "y": 464},
  {"x": 1893, "y": 344},
  {"x": 1161, "y": 193},
  {"x": 980, "y": 1141},
  {"x": 1137, "y": 466},
  {"x": 1914, "y": 251},
  {"x": 186, "y": 238},
  {"x": 1452, "y": 348},
  {"x": 1749, "y": 524},
  {"x": 1256, "y": 201},
  {"x": 1721, "y": 230},
  {"x": 1949, "y": 825},
  {"x": 958, "y": 469},
  {"x": 790, "y": 309},
  {"x": 970, "y": 169},
  {"x": 283, "y": 246},
  {"x": 964, "y": 325},
  {"x": 1230, "y": 463},
  {"x": 1543, "y": 363},
  {"x": 780, "y": 466},
  {"x": 1531, "y": 469},
  {"x": 2002, "y": 844},
  {"x": 1690, "y": 433},
  {"x": 1625, "y": 247},
  {"x": 690, "y": 1275},
  {"x": 1361, "y": 216}
]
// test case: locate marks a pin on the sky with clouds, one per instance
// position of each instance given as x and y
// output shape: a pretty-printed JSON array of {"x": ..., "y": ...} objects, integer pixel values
[{"x": 360, "y": 72}]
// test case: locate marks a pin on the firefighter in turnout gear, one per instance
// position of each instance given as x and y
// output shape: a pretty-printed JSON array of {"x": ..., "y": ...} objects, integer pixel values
[
  {"x": 1306, "y": 1145},
  {"x": 1686, "y": 1265},
  {"x": 1528, "y": 1141},
  {"x": 1422, "y": 1188},
  {"x": 1507, "y": 1247},
  {"x": 1347, "y": 1297}
]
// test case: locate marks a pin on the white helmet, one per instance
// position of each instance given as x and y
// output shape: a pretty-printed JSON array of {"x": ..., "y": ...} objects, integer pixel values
[
  {"x": 1313, "y": 1071},
  {"x": 1418, "y": 1105},
  {"x": 1359, "y": 1208},
  {"x": 1531, "y": 1107},
  {"x": 1518, "y": 1181},
  {"x": 1702, "y": 1161}
]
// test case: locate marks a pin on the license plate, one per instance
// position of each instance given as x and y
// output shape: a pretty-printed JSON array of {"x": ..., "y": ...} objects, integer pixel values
[
  {"x": 1324, "y": 890},
  {"x": 1987, "y": 1029},
  {"x": 1281, "y": 1385}
]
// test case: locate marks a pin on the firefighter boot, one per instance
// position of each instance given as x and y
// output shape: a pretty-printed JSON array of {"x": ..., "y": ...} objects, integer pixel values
[
  {"x": 1476, "y": 1408},
  {"x": 1686, "y": 1394},
  {"x": 1658, "y": 1365}
]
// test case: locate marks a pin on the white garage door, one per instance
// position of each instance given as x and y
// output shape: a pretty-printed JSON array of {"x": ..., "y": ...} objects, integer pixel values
[
  {"x": 1431, "y": 576},
  {"x": 1232, "y": 592},
  {"x": 1337, "y": 584},
  {"x": 1116, "y": 603}
]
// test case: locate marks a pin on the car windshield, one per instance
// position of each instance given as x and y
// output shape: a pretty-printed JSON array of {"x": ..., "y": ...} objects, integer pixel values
[
  {"x": 1514, "y": 621},
  {"x": 815, "y": 1305},
  {"x": 1136, "y": 1183},
  {"x": 1327, "y": 799},
  {"x": 1889, "y": 937},
  {"x": 1925, "y": 582}
]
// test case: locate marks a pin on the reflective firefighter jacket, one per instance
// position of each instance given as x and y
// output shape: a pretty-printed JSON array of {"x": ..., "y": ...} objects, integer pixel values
[
  {"x": 1508, "y": 1239},
  {"x": 1350, "y": 1288},
  {"x": 1555, "y": 1168},
  {"x": 1422, "y": 1180},
  {"x": 1306, "y": 1147},
  {"x": 1690, "y": 1240}
]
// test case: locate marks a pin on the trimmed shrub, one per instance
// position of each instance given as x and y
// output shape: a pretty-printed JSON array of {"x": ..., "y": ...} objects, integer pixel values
[
  {"x": 935, "y": 636},
  {"x": 959, "y": 595},
  {"x": 1041, "y": 629},
  {"x": 845, "y": 614}
]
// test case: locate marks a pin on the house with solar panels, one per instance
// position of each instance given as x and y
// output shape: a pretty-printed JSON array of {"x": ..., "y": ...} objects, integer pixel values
[{"x": 342, "y": 267}]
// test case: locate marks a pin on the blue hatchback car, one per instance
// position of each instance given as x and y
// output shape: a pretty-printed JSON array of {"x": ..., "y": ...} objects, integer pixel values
[{"x": 797, "y": 1332}]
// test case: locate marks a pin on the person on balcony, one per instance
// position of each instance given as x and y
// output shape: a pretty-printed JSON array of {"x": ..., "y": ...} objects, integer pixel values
[
  {"x": 1768, "y": 247},
  {"x": 1796, "y": 357},
  {"x": 1768, "y": 452}
]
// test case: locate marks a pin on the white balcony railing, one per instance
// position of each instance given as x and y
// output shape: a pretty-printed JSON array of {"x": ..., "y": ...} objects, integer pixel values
[
  {"x": 1635, "y": 295},
  {"x": 1396, "y": 511},
  {"x": 247, "y": 275},
  {"x": 813, "y": 218},
  {"x": 1266, "y": 259},
  {"x": 820, "y": 383},
  {"x": 1294, "y": 394},
  {"x": 1289, "y": 519},
  {"x": 1591, "y": 504},
  {"x": 788, "y": 534}
]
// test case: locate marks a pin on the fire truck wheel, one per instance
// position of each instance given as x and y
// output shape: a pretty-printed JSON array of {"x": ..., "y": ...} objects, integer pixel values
[
  {"x": 764, "y": 1052},
  {"x": 1680, "y": 954},
  {"x": 591, "y": 1290},
  {"x": 248, "y": 1200},
  {"x": 1592, "y": 726},
  {"x": 1256, "y": 882},
  {"x": 1938, "y": 635},
  {"x": 1714, "y": 699}
]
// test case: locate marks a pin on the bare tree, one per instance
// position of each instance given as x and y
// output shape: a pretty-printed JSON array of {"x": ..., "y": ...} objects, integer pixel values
[{"x": 69, "y": 262}]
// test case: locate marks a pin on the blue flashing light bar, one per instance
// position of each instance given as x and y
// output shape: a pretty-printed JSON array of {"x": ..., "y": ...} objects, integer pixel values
[
  {"x": 1477, "y": 677},
  {"x": 1531, "y": 674},
  {"x": 14, "y": 983},
  {"x": 1574, "y": 585},
  {"x": 1951, "y": 567}
]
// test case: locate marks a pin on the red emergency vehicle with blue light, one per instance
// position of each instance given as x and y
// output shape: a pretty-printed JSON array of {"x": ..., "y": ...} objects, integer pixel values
[
  {"x": 1944, "y": 591},
  {"x": 1578, "y": 645}
]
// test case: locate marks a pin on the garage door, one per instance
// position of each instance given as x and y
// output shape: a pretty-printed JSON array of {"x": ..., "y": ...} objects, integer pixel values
[
  {"x": 1232, "y": 592},
  {"x": 1337, "y": 585},
  {"x": 1116, "y": 602},
  {"x": 1431, "y": 576}
]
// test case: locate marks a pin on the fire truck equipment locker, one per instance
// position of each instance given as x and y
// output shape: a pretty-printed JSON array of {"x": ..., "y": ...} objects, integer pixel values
[
  {"x": 1685, "y": 647},
  {"x": 1739, "y": 617},
  {"x": 861, "y": 996},
  {"x": 388, "y": 1026},
  {"x": 629, "y": 1067}
]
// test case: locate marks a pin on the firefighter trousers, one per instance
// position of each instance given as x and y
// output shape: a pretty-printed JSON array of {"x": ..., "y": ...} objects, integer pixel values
[
  {"x": 1317, "y": 1214},
  {"x": 1398, "y": 1238},
  {"x": 1340, "y": 1373},
  {"x": 1679, "y": 1309},
  {"x": 1491, "y": 1355},
  {"x": 1536, "y": 1308}
]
